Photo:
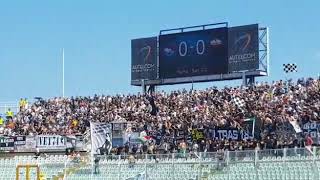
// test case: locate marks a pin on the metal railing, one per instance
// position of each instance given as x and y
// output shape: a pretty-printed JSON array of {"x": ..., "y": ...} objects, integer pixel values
[
  {"x": 196, "y": 165},
  {"x": 5, "y": 106}
]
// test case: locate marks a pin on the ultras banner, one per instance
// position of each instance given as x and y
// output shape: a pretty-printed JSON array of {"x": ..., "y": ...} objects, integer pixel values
[
  {"x": 247, "y": 132},
  {"x": 51, "y": 142},
  {"x": 230, "y": 133}
]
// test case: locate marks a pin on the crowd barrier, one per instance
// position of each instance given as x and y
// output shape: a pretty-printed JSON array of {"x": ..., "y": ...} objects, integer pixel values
[{"x": 199, "y": 163}]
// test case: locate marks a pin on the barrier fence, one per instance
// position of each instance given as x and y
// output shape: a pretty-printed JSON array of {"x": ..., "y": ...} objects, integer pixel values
[{"x": 199, "y": 164}]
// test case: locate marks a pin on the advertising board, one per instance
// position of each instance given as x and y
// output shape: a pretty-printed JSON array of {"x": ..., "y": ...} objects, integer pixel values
[
  {"x": 144, "y": 58},
  {"x": 243, "y": 50}
]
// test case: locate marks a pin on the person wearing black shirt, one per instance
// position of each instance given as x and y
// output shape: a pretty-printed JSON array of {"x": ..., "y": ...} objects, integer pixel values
[
  {"x": 295, "y": 143},
  {"x": 269, "y": 143},
  {"x": 144, "y": 148},
  {"x": 202, "y": 146},
  {"x": 212, "y": 146},
  {"x": 134, "y": 149},
  {"x": 96, "y": 165}
]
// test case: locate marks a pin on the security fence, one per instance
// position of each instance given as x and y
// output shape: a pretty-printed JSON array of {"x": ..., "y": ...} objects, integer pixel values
[{"x": 225, "y": 165}]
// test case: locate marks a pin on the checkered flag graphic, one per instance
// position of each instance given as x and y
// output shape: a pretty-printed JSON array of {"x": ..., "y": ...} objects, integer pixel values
[
  {"x": 290, "y": 67},
  {"x": 238, "y": 102}
]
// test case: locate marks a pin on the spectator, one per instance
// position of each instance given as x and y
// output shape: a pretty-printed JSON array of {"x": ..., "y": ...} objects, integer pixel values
[
  {"x": 132, "y": 161},
  {"x": 309, "y": 143},
  {"x": 96, "y": 165},
  {"x": 9, "y": 114},
  {"x": 1, "y": 121}
]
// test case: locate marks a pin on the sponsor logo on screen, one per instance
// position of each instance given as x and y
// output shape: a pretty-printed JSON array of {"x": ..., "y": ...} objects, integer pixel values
[
  {"x": 216, "y": 42},
  {"x": 145, "y": 53},
  {"x": 168, "y": 51},
  {"x": 240, "y": 46},
  {"x": 242, "y": 42},
  {"x": 143, "y": 68}
]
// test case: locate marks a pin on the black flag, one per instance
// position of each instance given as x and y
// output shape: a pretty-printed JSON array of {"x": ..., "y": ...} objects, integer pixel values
[{"x": 154, "y": 109}]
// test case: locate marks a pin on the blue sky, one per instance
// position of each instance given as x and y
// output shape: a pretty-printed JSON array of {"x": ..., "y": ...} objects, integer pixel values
[{"x": 96, "y": 37}]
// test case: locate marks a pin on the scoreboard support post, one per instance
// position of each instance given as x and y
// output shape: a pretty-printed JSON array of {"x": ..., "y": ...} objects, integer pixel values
[
  {"x": 144, "y": 87},
  {"x": 251, "y": 80},
  {"x": 151, "y": 89},
  {"x": 147, "y": 89},
  {"x": 244, "y": 79},
  {"x": 247, "y": 80}
]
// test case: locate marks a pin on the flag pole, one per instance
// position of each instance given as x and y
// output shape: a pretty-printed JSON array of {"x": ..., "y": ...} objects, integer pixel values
[
  {"x": 62, "y": 72},
  {"x": 318, "y": 82}
]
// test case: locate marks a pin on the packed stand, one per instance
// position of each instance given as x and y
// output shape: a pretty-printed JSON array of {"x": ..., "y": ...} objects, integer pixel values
[{"x": 167, "y": 114}]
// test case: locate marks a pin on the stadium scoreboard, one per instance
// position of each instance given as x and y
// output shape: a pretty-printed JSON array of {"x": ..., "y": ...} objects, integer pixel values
[
  {"x": 197, "y": 53},
  {"x": 193, "y": 53}
]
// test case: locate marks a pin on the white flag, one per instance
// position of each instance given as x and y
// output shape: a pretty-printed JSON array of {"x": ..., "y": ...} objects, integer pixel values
[
  {"x": 296, "y": 126},
  {"x": 101, "y": 136}
]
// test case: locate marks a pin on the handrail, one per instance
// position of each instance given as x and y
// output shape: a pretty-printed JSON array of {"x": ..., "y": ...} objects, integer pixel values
[
  {"x": 207, "y": 159},
  {"x": 229, "y": 156}
]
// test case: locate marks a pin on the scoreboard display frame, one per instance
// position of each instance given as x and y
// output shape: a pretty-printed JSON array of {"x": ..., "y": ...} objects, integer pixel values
[{"x": 193, "y": 53}]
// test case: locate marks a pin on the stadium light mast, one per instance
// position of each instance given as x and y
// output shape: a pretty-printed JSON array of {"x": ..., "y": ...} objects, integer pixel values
[{"x": 62, "y": 72}]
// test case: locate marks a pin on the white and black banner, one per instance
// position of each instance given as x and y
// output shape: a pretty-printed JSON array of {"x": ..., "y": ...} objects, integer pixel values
[
  {"x": 312, "y": 129},
  {"x": 295, "y": 126},
  {"x": 101, "y": 138},
  {"x": 19, "y": 140},
  {"x": 51, "y": 142},
  {"x": 29, "y": 146},
  {"x": 6, "y": 143}
]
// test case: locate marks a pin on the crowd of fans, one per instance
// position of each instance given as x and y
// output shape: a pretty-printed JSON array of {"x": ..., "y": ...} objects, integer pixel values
[{"x": 167, "y": 114}]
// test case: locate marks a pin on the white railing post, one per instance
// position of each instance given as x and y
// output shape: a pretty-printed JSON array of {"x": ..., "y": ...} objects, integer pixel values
[
  {"x": 236, "y": 156},
  {"x": 65, "y": 169},
  {"x": 172, "y": 161},
  {"x": 228, "y": 157},
  {"x": 200, "y": 168},
  {"x": 145, "y": 166},
  {"x": 119, "y": 165},
  {"x": 256, "y": 158},
  {"x": 228, "y": 165},
  {"x": 315, "y": 169},
  {"x": 93, "y": 166},
  {"x": 256, "y": 161},
  {"x": 284, "y": 158},
  {"x": 314, "y": 151}
]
